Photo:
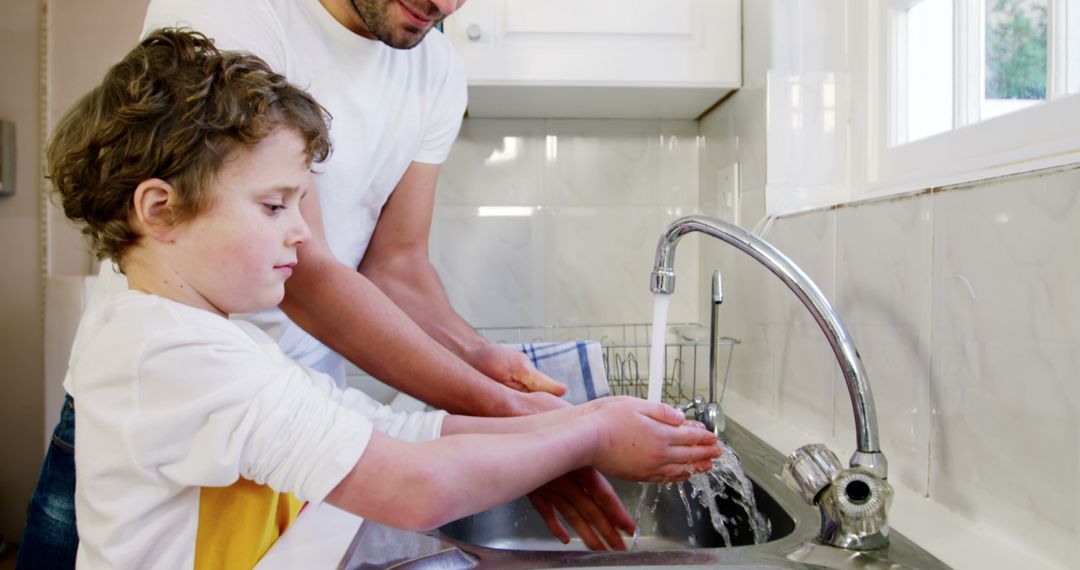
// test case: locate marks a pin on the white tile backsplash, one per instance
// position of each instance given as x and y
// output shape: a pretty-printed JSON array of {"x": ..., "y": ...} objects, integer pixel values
[
  {"x": 749, "y": 307},
  {"x": 1005, "y": 441},
  {"x": 735, "y": 132},
  {"x": 488, "y": 264},
  {"x": 599, "y": 193},
  {"x": 494, "y": 163},
  {"x": 805, "y": 367},
  {"x": 603, "y": 162},
  {"x": 962, "y": 304},
  {"x": 679, "y": 165},
  {"x": 599, "y": 261},
  {"x": 884, "y": 254},
  {"x": 807, "y": 142}
]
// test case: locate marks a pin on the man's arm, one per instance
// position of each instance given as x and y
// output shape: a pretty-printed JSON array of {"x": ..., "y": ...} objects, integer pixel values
[
  {"x": 397, "y": 262},
  {"x": 347, "y": 312}
]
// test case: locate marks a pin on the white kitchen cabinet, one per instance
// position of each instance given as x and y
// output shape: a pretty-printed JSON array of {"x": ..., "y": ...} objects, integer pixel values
[{"x": 598, "y": 58}]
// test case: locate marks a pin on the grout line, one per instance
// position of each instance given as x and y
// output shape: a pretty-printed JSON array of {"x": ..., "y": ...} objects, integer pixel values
[{"x": 930, "y": 400}]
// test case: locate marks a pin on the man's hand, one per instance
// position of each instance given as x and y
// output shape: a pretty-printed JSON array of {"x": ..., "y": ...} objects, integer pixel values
[
  {"x": 589, "y": 505},
  {"x": 512, "y": 368},
  {"x": 528, "y": 403}
]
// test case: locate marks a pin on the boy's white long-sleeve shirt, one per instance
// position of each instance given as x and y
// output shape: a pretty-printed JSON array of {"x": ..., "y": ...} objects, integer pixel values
[{"x": 171, "y": 399}]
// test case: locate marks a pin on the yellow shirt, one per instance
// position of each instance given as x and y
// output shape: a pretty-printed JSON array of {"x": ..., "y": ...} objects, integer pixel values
[{"x": 238, "y": 524}]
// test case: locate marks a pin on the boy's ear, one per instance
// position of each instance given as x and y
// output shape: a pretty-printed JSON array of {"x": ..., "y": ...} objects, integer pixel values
[{"x": 152, "y": 207}]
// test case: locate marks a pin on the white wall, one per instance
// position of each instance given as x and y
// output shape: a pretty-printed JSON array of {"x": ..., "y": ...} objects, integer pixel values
[
  {"x": 81, "y": 40},
  {"x": 20, "y": 278},
  {"x": 79, "y": 55},
  {"x": 961, "y": 302}
]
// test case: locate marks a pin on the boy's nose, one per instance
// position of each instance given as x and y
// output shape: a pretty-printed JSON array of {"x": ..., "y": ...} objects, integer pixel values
[{"x": 300, "y": 232}]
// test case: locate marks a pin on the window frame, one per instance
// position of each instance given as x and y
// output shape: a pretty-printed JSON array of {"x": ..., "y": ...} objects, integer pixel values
[{"x": 1041, "y": 136}]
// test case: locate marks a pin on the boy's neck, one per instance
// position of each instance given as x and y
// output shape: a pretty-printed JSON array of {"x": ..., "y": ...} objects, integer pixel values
[{"x": 149, "y": 272}]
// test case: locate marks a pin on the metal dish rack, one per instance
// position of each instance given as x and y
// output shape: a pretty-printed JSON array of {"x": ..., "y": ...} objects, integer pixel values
[{"x": 626, "y": 354}]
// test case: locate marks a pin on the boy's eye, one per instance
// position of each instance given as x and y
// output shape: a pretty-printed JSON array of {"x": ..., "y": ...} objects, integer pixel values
[{"x": 274, "y": 208}]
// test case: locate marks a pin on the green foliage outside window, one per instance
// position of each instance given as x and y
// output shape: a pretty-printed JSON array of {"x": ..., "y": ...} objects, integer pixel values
[{"x": 1016, "y": 47}]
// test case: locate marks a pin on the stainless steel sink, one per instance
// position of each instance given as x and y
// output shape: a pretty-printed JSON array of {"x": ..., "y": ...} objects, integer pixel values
[
  {"x": 517, "y": 526},
  {"x": 514, "y": 536}
]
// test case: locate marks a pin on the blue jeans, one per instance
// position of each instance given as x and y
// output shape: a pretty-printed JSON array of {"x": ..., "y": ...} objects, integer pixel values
[{"x": 50, "y": 539}]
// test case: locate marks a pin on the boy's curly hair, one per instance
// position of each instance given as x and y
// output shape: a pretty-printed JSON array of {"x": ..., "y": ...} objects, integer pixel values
[{"x": 175, "y": 108}]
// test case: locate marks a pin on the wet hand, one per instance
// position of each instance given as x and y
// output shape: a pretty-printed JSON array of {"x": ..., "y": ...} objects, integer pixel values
[
  {"x": 648, "y": 441},
  {"x": 587, "y": 503}
]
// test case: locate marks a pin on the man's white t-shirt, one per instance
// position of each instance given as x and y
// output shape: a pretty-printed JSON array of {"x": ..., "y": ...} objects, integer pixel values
[
  {"x": 389, "y": 108},
  {"x": 172, "y": 400}
]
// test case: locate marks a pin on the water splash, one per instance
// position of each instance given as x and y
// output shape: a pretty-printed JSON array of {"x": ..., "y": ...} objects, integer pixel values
[
  {"x": 686, "y": 505},
  {"x": 637, "y": 514},
  {"x": 727, "y": 475},
  {"x": 726, "y": 480}
]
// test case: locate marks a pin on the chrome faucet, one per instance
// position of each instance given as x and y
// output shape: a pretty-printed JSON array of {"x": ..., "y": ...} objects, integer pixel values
[
  {"x": 714, "y": 414},
  {"x": 868, "y": 458},
  {"x": 710, "y": 413}
]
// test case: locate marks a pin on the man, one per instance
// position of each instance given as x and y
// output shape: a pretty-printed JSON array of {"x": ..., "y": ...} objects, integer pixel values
[
  {"x": 364, "y": 288},
  {"x": 397, "y": 97}
]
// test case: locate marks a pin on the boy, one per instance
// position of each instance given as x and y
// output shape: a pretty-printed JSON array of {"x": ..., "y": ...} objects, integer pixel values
[{"x": 198, "y": 439}]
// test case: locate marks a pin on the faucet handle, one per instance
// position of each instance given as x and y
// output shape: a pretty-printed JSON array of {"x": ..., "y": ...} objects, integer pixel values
[
  {"x": 859, "y": 503},
  {"x": 694, "y": 406},
  {"x": 713, "y": 418},
  {"x": 809, "y": 470}
]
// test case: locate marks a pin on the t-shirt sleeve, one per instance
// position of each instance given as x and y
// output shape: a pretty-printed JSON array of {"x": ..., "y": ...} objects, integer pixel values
[
  {"x": 448, "y": 103},
  {"x": 212, "y": 407},
  {"x": 411, "y": 426},
  {"x": 249, "y": 26}
]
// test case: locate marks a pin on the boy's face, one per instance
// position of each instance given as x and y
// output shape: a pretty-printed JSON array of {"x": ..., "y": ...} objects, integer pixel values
[{"x": 237, "y": 255}]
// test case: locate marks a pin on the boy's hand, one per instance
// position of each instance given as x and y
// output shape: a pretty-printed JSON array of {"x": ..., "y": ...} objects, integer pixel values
[
  {"x": 588, "y": 503},
  {"x": 648, "y": 441}
]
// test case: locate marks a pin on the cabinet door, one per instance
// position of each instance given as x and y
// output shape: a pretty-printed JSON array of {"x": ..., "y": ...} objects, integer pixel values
[{"x": 603, "y": 44}]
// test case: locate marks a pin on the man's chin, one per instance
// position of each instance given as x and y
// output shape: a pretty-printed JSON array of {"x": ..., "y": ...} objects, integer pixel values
[{"x": 406, "y": 38}]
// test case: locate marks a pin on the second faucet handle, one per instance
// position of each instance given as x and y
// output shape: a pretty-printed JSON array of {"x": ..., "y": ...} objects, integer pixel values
[{"x": 809, "y": 470}]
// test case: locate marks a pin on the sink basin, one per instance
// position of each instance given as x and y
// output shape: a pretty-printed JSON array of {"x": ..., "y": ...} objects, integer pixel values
[{"x": 517, "y": 526}]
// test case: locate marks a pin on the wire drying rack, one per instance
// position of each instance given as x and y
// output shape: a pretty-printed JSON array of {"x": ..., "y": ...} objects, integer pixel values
[{"x": 626, "y": 350}]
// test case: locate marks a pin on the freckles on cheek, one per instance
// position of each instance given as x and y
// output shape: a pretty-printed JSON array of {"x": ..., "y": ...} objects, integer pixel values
[{"x": 237, "y": 253}]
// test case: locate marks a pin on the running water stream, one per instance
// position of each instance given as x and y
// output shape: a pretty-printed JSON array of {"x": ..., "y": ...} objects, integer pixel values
[
  {"x": 656, "y": 349},
  {"x": 726, "y": 480}
]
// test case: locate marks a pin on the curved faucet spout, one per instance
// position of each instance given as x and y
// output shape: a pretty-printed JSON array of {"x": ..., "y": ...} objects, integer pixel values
[{"x": 867, "y": 454}]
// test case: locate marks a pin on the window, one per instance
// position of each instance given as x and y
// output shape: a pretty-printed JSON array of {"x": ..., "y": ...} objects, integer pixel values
[
  {"x": 930, "y": 93},
  {"x": 926, "y": 71},
  {"x": 958, "y": 62},
  {"x": 1014, "y": 56}
]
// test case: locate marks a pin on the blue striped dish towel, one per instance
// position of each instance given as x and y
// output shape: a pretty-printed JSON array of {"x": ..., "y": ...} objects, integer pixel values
[{"x": 578, "y": 364}]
